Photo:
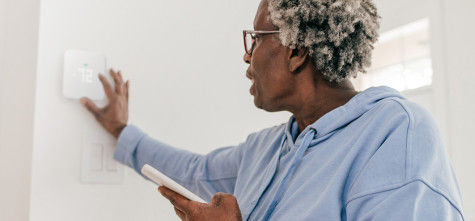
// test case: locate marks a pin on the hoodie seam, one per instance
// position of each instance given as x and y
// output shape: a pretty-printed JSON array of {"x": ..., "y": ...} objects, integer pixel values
[
  {"x": 366, "y": 163},
  {"x": 407, "y": 163},
  {"x": 396, "y": 186}
]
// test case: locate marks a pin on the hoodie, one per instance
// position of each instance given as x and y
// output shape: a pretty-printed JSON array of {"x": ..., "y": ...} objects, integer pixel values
[{"x": 378, "y": 157}]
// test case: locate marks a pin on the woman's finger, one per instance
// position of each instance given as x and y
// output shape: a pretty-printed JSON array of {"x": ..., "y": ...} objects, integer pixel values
[
  {"x": 117, "y": 81},
  {"x": 127, "y": 90},
  {"x": 180, "y": 213},
  {"x": 176, "y": 199},
  {"x": 107, "y": 87},
  {"x": 121, "y": 79},
  {"x": 91, "y": 107}
]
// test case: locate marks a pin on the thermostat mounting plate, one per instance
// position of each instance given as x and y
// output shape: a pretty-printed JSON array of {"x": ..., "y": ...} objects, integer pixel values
[{"x": 80, "y": 76}]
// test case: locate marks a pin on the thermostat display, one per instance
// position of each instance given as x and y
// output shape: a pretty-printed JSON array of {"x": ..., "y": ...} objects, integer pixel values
[
  {"x": 87, "y": 74},
  {"x": 80, "y": 77}
]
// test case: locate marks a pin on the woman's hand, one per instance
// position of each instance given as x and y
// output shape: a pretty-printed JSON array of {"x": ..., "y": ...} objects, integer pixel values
[
  {"x": 223, "y": 207},
  {"x": 115, "y": 115}
]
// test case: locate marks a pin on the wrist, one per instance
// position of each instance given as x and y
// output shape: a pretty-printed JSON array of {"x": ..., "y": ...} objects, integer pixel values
[{"x": 116, "y": 133}]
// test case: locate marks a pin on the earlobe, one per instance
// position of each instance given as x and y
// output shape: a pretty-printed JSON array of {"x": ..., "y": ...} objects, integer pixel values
[{"x": 297, "y": 59}]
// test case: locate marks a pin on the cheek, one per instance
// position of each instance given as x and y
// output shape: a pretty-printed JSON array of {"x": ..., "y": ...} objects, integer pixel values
[
  {"x": 262, "y": 63},
  {"x": 271, "y": 72},
  {"x": 268, "y": 64}
]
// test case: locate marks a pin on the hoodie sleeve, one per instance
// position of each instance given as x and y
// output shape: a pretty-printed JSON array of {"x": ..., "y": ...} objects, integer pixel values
[
  {"x": 202, "y": 174},
  {"x": 409, "y": 201}
]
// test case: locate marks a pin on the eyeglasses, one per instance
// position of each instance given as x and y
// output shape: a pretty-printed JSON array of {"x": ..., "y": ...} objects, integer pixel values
[{"x": 250, "y": 37}]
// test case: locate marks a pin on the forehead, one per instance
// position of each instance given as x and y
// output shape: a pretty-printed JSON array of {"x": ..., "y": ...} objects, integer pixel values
[{"x": 261, "y": 21}]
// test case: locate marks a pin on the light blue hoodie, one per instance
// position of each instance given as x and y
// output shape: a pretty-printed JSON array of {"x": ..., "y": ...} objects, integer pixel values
[{"x": 378, "y": 157}]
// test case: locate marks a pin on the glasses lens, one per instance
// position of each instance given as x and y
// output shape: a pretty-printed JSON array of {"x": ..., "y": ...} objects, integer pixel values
[{"x": 249, "y": 43}]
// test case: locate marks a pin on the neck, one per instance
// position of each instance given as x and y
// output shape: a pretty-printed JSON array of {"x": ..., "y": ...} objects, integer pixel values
[{"x": 315, "y": 100}]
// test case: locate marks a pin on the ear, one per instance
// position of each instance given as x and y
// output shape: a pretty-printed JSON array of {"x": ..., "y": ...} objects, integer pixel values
[{"x": 297, "y": 59}]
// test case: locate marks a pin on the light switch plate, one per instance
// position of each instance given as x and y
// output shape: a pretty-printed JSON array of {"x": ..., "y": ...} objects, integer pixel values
[
  {"x": 80, "y": 76},
  {"x": 97, "y": 161}
]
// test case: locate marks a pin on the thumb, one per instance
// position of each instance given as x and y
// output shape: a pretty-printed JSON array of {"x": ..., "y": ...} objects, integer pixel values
[
  {"x": 91, "y": 107},
  {"x": 217, "y": 199},
  {"x": 220, "y": 198}
]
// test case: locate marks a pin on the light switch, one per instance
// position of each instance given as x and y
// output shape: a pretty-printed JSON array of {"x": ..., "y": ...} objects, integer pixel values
[
  {"x": 110, "y": 163},
  {"x": 96, "y": 156},
  {"x": 97, "y": 163}
]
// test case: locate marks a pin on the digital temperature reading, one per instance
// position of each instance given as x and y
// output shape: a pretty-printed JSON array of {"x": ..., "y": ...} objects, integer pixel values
[
  {"x": 86, "y": 74},
  {"x": 81, "y": 70}
]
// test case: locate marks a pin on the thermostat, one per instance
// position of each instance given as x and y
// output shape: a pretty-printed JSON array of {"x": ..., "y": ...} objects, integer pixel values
[{"x": 80, "y": 76}]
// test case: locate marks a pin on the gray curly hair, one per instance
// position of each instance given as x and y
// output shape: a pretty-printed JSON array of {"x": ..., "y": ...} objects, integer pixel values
[{"x": 339, "y": 34}]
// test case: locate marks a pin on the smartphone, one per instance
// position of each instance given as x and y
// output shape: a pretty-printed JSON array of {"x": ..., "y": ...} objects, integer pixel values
[{"x": 160, "y": 179}]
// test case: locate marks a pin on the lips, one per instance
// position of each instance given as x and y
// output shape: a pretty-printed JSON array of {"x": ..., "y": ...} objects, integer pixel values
[
  {"x": 248, "y": 75},
  {"x": 251, "y": 90}
]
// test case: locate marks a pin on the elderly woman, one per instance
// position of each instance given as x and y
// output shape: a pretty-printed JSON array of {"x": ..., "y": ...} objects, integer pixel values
[{"x": 342, "y": 155}]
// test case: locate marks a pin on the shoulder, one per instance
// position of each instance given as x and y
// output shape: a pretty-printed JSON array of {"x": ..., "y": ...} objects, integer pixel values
[
  {"x": 406, "y": 116},
  {"x": 411, "y": 149},
  {"x": 422, "y": 141},
  {"x": 264, "y": 135}
]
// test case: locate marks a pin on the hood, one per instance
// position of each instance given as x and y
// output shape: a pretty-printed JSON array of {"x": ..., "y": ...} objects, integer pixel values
[{"x": 345, "y": 114}]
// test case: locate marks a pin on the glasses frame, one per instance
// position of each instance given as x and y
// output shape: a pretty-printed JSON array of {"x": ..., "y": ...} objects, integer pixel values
[{"x": 254, "y": 35}]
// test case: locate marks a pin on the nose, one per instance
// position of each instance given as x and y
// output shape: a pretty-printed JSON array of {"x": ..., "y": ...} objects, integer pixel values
[{"x": 247, "y": 58}]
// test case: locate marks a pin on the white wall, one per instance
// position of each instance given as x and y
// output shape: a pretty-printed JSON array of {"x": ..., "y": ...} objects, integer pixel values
[
  {"x": 399, "y": 13},
  {"x": 459, "y": 34},
  {"x": 188, "y": 89},
  {"x": 18, "y": 47},
  {"x": 452, "y": 93}
]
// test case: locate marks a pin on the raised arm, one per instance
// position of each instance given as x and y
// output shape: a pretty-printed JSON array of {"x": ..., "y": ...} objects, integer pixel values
[{"x": 203, "y": 174}]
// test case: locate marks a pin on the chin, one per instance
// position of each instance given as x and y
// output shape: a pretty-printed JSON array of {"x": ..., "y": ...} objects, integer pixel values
[{"x": 259, "y": 104}]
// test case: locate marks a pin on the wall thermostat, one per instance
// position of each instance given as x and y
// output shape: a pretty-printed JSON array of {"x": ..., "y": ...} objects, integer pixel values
[{"x": 80, "y": 77}]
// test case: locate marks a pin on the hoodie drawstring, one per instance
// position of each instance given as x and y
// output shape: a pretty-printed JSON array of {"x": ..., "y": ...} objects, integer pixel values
[{"x": 295, "y": 161}]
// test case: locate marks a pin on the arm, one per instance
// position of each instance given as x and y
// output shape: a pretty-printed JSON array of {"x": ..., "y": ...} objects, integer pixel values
[
  {"x": 202, "y": 174},
  {"x": 414, "y": 200}
]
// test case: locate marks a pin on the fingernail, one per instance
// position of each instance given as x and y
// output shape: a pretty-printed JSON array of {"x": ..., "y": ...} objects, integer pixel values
[{"x": 83, "y": 101}]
